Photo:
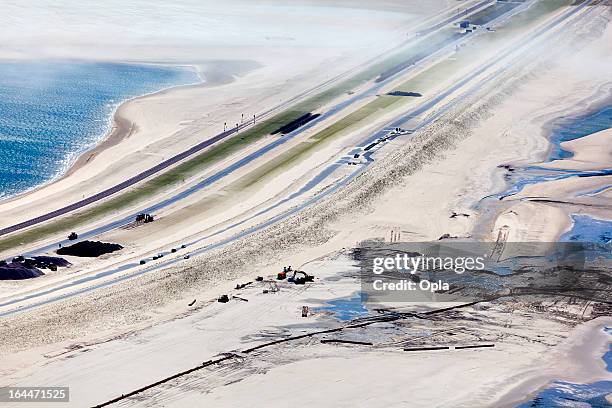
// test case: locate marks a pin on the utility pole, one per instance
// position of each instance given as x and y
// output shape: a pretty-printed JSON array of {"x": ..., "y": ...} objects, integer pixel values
[
  {"x": 253, "y": 119},
  {"x": 242, "y": 120},
  {"x": 224, "y": 126}
]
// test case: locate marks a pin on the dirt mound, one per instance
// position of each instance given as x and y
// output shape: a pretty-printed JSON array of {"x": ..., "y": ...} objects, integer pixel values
[
  {"x": 90, "y": 249},
  {"x": 18, "y": 271}
]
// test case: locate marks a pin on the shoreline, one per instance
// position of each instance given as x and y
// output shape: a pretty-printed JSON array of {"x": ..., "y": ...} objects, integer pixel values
[
  {"x": 584, "y": 349},
  {"x": 118, "y": 129},
  {"x": 121, "y": 128},
  {"x": 584, "y": 107}
]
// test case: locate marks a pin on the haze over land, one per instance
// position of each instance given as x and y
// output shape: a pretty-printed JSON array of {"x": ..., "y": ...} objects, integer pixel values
[
  {"x": 323, "y": 132},
  {"x": 195, "y": 30}
]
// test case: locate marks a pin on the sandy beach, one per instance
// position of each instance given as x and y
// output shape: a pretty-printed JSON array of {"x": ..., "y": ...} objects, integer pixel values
[
  {"x": 445, "y": 181},
  {"x": 169, "y": 122}
]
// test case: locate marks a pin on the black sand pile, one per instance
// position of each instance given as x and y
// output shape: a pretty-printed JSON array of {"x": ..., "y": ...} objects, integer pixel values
[
  {"x": 294, "y": 124},
  {"x": 89, "y": 249},
  {"x": 404, "y": 93},
  {"x": 17, "y": 271},
  {"x": 51, "y": 260},
  {"x": 27, "y": 268}
]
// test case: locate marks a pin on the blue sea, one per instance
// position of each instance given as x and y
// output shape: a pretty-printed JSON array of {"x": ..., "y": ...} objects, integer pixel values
[
  {"x": 574, "y": 128},
  {"x": 564, "y": 129},
  {"x": 50, "y": 111}
]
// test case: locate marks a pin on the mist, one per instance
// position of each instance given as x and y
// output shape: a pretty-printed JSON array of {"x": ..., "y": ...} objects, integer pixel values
[{"x": 192, "y": 30}]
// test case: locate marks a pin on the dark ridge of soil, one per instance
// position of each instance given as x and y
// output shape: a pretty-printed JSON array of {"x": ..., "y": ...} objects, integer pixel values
[
  {"x": 294, "y": 124},
  {"x": 51, "y": 260},
  {"x": 18, "y": 271},
  {"x": 89, "y": 249},
  {"x": 404, "y": 93},
  {"x": 27, "y": 268}
]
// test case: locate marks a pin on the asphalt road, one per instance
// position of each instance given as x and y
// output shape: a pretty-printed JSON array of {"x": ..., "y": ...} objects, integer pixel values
[
  {"x": 315, "y": 181},
  {"x": 217, "y": 138},
  {"x": 373, "y": 89}
]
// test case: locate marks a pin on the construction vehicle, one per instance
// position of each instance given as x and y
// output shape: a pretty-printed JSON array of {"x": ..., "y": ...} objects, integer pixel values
[
  {"x": 283, "y": 275},
  {"x": 73, "y": 236},
  {"x": 144, "y": 218},
  {"x": 399, "y": 131},
  {"x": 300, "y": 280}
]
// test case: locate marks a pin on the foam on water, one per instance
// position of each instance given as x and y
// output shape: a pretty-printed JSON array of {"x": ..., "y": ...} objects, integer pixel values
[{"x": 50, "y": 111}]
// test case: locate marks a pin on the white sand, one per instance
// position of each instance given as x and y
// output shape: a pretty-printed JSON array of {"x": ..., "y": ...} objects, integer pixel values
[
  {"x": 412, "y": 191},
  {"x": 593, "y": 152},
  {"x": 170, "y": 122},
  {"x": 327, "y": 375}
]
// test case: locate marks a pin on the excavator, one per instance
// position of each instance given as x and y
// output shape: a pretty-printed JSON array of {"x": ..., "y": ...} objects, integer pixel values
[{"x": 298, "y": 280}]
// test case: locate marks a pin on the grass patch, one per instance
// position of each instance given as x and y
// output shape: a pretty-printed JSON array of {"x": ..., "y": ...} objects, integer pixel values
[
  {"x": 427, "y": 79},
  {"x": 217, "y": 152},
  {"x": 299, "y": 151}
]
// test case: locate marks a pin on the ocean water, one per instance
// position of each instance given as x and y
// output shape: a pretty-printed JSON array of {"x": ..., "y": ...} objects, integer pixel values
[
  {"x": 50, "y": 111},
  {"x": 577, "y": 127},
  {"x": 564, "y": 394},
  {"x": 565, "y": 129}
]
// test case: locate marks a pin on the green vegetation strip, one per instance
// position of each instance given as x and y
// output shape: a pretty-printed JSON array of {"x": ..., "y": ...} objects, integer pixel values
[
  {"x": 216, "y": 153},
  {"x": 419, "y": 83}
]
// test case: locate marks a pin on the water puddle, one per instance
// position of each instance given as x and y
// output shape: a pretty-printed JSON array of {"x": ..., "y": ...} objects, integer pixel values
[
  {"x": 348, "y": 308},
  {"x": 588, "y": 229},
  {"x": 565, "y": 394}
]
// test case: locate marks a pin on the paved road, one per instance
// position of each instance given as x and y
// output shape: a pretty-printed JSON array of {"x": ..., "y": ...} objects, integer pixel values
[
  {"x": 373, "y": 89},
  {"x": 411, "y": 115},
  {"x": 221, "y": 136}
]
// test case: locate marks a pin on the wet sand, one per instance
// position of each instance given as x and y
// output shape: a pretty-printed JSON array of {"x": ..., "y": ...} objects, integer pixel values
[{"x": 413, "y": 192}]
